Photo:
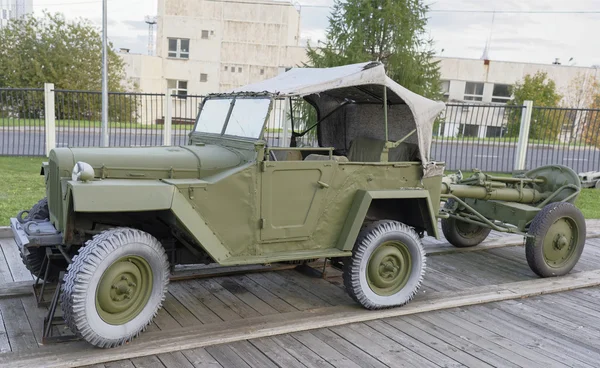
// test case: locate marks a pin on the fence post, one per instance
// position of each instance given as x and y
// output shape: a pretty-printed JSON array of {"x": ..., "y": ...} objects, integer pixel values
[
  {"x": 168, "y": 118},
  {"x": 285, "y": 120},
  {"x": 523, "y": 135},
  {"x": 49, "y": 118}
]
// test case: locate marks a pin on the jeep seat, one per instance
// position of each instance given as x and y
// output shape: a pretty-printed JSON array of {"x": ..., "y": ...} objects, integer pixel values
[{"x": 316, "y": 157}]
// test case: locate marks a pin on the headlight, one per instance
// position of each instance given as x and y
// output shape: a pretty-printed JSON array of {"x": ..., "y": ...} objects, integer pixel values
[{"x": 82, "y": 172}]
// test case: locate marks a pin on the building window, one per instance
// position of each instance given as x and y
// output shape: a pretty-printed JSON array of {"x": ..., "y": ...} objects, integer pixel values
[
  {"x": 501, "y": 93},
  {"x": 469, "y": 130},
  {"x": 233, "y": 69},
  {"x": 239, "y": 69},
  {"x": 495, "y": 132},
  {"x": 204, "y": 35},
  {"x": 225, "y": 67},
  {"x": 179, "y": 48},
  {"x": 473, "y": 91},
  {"x": 445, "y": 89},
  {"x": 180, "y": 87},
  {"x": 262, "y": 71},
  {"x": 203, "y": 77}
]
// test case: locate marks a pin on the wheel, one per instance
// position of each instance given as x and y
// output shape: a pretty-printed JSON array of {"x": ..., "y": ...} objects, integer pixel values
[
  {"x": 386, "y": 267},
  {"x": 556, "y": 241},
  {"x": 597, "y": 185},
  {"x": 35, "y": 256},
  {"x": 462, "y": 234},
  {"x": 115, "y": 286}
]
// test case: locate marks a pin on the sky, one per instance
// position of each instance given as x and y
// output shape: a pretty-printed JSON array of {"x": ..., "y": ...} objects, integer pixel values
[{"x": 528, "y": 36}]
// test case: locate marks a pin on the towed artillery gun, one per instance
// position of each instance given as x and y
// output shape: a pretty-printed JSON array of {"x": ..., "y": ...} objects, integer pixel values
[{"x": 116, "y": 220}]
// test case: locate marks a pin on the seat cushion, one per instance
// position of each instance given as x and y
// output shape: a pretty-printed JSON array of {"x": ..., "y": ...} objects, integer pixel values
[
  {"x": 363, "y": 149},
  {"x": 315, "y": 157}
]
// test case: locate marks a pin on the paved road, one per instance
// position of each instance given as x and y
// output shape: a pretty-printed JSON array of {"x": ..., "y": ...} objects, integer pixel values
[{"x": 457, "y": 155}]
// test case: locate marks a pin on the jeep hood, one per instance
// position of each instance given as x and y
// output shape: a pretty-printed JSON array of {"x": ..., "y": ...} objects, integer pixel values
[{"x": 149, "y": 162}]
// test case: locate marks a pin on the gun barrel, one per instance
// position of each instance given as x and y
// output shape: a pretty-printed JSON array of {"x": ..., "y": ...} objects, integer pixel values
[{"x": 525, "y": 195}]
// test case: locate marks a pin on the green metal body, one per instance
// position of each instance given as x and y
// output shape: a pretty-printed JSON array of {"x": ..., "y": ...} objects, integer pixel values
[{"x": 233, "y": 202}]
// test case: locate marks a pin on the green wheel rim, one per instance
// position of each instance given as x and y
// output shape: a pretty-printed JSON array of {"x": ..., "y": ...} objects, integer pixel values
[
  {"x": 124, "y": 290},
  {"x": 560, "y": 242},
  {"x": 389, "y": 268}
]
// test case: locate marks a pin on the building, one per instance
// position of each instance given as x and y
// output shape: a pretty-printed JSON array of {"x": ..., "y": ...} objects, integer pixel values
[
  {"x": 474, "y": 81},
  {"x": 12, "y": 9},
  {"x": 206, "y": 46}
]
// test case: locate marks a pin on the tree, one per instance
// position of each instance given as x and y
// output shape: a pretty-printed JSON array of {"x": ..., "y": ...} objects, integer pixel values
[
  {"x": 51, "y": 49},
  {"x": 390, "y": 31},
  {"x": 542, "y": 91}
]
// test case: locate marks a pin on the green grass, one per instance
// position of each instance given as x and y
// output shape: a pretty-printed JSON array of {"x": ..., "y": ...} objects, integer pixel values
[{"x": 21, "y": 186}]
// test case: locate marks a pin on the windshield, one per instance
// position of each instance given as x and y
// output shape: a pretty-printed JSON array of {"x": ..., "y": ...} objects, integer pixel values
[{"x": 246, "y": 119}]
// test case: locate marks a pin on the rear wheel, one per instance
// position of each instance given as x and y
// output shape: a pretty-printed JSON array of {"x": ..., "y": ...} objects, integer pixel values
[
  {"x": 462, "y": 234},
  {"x": 115, "y": 286},
  {"x": 386, "y": 267},
  {"x": 557, "y": 237}
]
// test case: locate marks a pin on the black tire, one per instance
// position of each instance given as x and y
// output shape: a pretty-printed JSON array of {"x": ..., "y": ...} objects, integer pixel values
[
  {"x": 393, "y": 286},
  {"x": 462, "y": 234},
  {"x": 556, "y": 226},
  {"x": 34, "y": 257},
  {"x": 137, "y": 287}
]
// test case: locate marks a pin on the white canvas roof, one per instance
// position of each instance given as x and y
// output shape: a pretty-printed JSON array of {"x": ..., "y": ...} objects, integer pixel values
[{"x": 309, "y": 81}]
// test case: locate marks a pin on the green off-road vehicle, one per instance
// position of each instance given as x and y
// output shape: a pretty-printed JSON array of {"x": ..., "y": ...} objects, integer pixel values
[{"x": 122, "y": 217}]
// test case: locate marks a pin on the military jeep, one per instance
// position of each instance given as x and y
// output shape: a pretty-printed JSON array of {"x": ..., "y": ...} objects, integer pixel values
[{"x": 121, "y": 217}]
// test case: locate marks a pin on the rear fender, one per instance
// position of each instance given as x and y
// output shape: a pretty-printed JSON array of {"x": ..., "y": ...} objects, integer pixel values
[{"x": 412, "y": 207}]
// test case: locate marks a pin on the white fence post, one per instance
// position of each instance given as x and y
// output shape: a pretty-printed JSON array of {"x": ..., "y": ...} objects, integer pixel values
[
  {"x": 168, "y": 118},
  {"x": 523, "y": 135},
  {"x": 49, "y": 118}
]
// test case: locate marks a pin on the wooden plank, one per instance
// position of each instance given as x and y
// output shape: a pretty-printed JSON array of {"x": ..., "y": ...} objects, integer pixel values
[
  {"x": 303, "y": 354},
  {"x": 120, "y": 364},
  {"x": 380, "y": 347},
  {"x": 164, "y": 320},
  {"x": 200, "y": 358},
  {"x": 224, "y": 311},
  {"x": 245, "y": 296},
  {"x": 226, "y": 356},
  {"x": 317, "y": 286},
  {"x": 15, "y": 264},
  {"x": 192, "y": 304},
  {"x": 536, "y": 333},
  {"x": 299, "y": 300},
  {"x": 429, "y": 339},
  {"x": 18, "y": 288},
  {"x": 324, "y": 350},
  {"x": 213, "y": 270},
  {"x": 462, "y": 344},
  {"x": 175, "y": 360},
  {"x": 181, "y": 314},
  {"x": 230, "y": 300},
  {"x": 264, "y": 294},
  {"x": 193, "y": 337},
  {"x": 5, "y": 232},
  {"x": 150, "y": 361},
  {"x": 276, "y": 353},
  {"x": 251, "y": 355},
  {"x": 484, "y": 339},
  {"x": 554, "y": 353},
  {"x": 414, "y": 345},
  {"x": 347, "y": 349},
  {"x": 18, "y": 329}
]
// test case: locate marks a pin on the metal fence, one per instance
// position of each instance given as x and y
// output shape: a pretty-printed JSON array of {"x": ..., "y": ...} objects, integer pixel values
[
  {"x": 22, "y": 129},
  {"x": 466, "y": 136}
]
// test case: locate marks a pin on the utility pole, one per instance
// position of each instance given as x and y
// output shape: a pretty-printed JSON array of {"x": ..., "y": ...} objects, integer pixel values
[{"x": 104, "y": 139}]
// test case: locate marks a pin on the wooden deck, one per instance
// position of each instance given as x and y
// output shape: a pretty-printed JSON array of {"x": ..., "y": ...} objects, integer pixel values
[{"x": 469, "y": 312}]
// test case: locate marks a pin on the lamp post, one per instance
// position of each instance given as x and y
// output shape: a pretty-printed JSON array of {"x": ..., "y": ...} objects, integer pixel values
[{"x": 104, "y": 139}]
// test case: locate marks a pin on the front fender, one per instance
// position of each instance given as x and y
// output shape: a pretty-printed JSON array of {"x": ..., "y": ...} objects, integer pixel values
[
  {"x": 364, "y": 199},
  {"x": 121, "y": 195}
]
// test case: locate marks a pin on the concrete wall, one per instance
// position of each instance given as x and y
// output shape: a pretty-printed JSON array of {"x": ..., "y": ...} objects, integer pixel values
[{"x": 459, "y": 71}]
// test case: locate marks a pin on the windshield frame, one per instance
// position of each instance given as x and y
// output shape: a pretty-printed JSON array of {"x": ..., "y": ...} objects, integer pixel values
[{"x": 234, "y": 98}]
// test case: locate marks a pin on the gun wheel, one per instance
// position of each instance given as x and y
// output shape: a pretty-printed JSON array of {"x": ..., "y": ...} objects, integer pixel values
[
  {"x": 115, "y": 286},
  {"x": 557, "y": 237},
  {"x": 387, "y": 265},
  {"x": 462, "y": 234}
]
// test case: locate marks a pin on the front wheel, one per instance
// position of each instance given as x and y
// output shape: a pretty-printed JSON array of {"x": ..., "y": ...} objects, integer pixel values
[
  {"x": 556, "y": 239},
  {"x": 386, "y": 267},
  {"x": 115, "y": 286}
]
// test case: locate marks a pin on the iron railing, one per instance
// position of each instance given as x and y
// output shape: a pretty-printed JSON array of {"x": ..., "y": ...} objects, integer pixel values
[
  {"x": 465, "y": 136},
  {"x": 22, "y": 129},
  {"x": 468, "y": 136}
]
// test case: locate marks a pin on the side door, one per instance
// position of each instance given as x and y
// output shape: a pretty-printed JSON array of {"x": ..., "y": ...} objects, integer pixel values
[{"x": 292, "y": 197}]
